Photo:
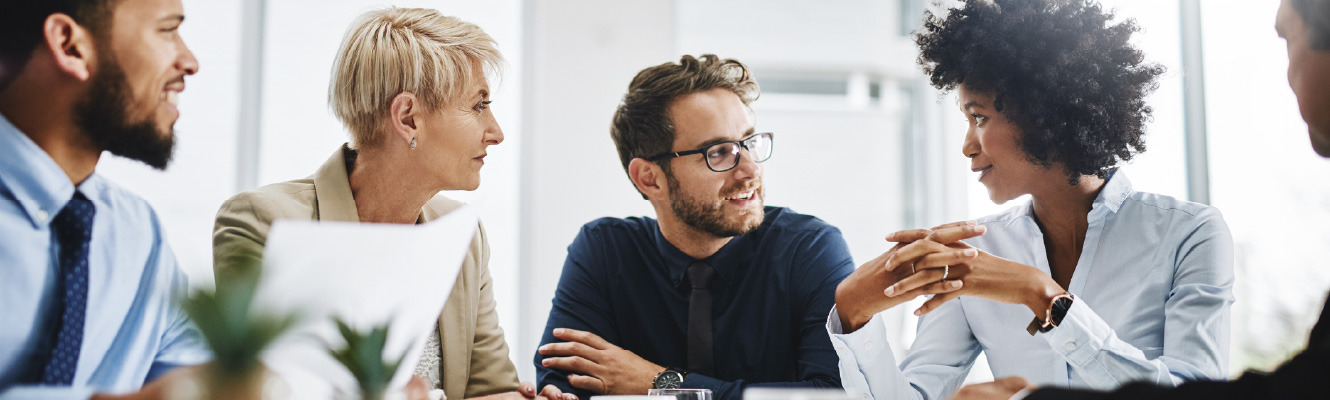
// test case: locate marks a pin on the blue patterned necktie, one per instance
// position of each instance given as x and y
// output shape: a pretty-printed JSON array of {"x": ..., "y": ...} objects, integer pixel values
[{"x": 73, "y": 230}]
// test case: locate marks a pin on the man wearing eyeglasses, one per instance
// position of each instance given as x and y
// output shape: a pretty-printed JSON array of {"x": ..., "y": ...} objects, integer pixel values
[{"x": 719, "y": 292}]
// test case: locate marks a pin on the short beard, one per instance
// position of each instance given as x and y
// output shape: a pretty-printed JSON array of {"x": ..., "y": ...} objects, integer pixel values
[
  {"x": 103, "y": 117},
  {"x": 705, "y": 217}
]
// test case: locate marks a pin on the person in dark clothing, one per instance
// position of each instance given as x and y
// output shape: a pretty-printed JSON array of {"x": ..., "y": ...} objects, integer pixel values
[
  {"x": 1305, "y": 25},
  {"x": 721, "y": 292}
]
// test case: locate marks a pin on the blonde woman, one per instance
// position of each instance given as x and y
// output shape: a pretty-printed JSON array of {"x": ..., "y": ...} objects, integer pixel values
[{"x": 410, "y": 85}]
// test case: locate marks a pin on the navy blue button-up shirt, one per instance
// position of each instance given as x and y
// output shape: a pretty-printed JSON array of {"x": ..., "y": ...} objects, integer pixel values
[{"x": 771, "y": 294}]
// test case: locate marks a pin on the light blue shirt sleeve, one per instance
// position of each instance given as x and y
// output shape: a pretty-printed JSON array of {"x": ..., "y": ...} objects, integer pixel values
[
  {"x": 181, "y": 342},
  {"x": 934, "y": 368},
  {"x": 1196, "y": 321}
]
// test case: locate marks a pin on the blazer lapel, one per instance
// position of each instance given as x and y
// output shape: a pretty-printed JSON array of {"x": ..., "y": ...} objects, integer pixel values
[
  {"x": 455, "y": 320},
  {"x": 332, "y": 189}
]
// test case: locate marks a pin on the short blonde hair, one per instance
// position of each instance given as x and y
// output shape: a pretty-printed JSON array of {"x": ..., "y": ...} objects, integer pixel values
[{"x": 390, "y": 51}]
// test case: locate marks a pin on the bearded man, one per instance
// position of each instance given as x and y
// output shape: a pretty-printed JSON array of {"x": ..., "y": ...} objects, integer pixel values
[
  {"x": 87, "y": 281},
  {"x": 720, "y": 292}
]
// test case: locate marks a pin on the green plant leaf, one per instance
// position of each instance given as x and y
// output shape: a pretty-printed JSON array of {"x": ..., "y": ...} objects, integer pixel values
[
  {"x": 223, "y": 316},
  {"x": 363, "y": 357}
]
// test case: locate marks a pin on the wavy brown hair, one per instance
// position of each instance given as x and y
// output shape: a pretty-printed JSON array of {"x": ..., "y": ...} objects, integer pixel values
[{"x": 642, "y": 127}]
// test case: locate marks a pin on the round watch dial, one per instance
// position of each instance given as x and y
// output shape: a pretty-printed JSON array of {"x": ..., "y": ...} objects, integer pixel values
[{"x": 669, "y": 379}]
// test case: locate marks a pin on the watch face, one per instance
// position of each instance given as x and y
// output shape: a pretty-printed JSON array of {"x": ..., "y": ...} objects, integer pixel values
[{"x": 669, "y": 379}]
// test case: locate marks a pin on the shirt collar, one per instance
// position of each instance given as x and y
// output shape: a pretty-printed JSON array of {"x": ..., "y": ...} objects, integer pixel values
[
  {"x": 727, "y": 261},
  {"x": 38, "y": 184},
  {"x": 1114, "y": 193}
]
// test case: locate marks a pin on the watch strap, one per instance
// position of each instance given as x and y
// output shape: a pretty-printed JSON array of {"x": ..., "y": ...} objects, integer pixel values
[
  {"x": 655, "y": 383},
  {"x": 1057, "y": 309}
]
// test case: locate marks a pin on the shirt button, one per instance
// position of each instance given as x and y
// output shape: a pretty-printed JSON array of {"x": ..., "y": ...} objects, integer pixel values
[
  {"x": 868, "y": 345},
  {"x": 42, "y": 215},
  {"x": 1070, "y": 346},
  {"x": 863, "y": 395}
]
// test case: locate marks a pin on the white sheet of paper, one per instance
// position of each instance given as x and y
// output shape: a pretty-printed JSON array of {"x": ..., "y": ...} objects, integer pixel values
[{"x": 366, "y": 274}]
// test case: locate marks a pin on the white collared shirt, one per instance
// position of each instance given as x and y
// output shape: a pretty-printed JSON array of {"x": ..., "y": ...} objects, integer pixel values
[{"x": 1153, "y": 289}]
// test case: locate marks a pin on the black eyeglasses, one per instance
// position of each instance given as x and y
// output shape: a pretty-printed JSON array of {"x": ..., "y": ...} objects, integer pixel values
[{"x": 724, "y": 156}]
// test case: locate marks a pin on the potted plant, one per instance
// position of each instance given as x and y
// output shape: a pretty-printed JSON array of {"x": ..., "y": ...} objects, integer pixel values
[
  {"x": 363, "y": 356},
  {"x": 236, "y": 336}
]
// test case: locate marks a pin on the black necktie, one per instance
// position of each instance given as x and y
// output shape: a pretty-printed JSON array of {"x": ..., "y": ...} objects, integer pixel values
[
  {"x": 700, "y": 359},
  {"x": 73, "y": 230}
]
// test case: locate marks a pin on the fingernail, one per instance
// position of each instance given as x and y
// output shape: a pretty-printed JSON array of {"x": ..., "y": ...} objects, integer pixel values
[
  {"x": 891, "y": 290},
  {"x": 545, "y": 362},
  {"x": 558, "y": 331},
  {"x": 954, "y": 284},
  {"x": 980, "y": 229},
  {"x": 918, "y": 312},
  {"x": 542, "y": 348},
  {"x": 970, "y": 252},
  {"x": 972, "y": 222}
]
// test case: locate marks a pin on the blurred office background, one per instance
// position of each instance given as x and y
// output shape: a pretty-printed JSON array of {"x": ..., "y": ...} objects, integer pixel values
[{"x": 862, "y": 140}]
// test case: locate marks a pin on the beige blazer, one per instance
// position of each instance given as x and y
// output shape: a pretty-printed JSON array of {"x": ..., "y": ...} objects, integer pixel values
[{"x": 474, "y": 354}]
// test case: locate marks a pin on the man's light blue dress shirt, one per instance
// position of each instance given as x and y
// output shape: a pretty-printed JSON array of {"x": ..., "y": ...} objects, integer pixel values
[
  {"x": 134, "y": 330},
  {"x": 1153, "y": 289}
]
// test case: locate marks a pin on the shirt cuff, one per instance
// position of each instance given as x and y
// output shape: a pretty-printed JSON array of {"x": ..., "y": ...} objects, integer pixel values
[
  {"x": 867, "y": 343},
  {"x": 1081, "y": 335},
  {"x": 864, "y": 354}
]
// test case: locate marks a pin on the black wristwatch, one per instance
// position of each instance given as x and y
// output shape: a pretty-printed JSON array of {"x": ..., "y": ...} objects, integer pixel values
[
  {"x": 670, "y": 378},
  {"x": 1057, "y": 310}
]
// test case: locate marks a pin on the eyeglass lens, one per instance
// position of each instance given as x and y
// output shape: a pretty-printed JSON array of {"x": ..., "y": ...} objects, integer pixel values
[{"x": 724, "y": 156}]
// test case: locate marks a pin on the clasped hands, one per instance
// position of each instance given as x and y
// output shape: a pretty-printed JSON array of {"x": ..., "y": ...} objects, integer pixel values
[
  {"x": 937, "y": 262},
  {"x": 597, "y": 365}
]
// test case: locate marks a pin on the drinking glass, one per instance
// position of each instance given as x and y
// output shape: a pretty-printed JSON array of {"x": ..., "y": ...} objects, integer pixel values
[{"x": 682, "y": 394}]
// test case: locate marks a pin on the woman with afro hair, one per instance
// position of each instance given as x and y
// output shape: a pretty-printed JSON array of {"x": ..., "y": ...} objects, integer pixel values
[{"x": 1090, "y": 284}]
